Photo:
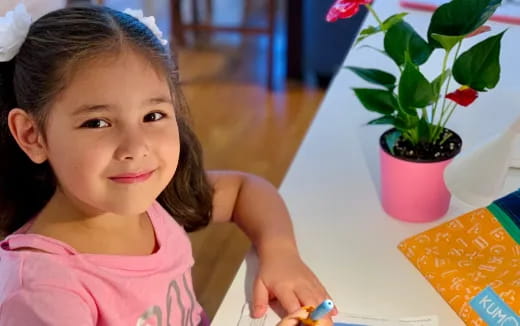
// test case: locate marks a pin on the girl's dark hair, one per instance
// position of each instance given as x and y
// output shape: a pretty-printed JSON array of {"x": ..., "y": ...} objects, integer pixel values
[{"x": 55, "y": 46}]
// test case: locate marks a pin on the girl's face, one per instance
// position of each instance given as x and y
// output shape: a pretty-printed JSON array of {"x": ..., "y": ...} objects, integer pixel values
[{"x": 112, "y": 138}]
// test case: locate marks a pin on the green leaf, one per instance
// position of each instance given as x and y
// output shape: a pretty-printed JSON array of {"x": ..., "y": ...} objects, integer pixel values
[
  {"x": 375, "y": 76},
  {"x": 392, "y": 20},
  {"x": 423, "y": 129},
  {"x": 405, "y": 121},
  {"x": 402, "y": 40},
  {"x": 439, "y": 81},
  {"x": 446, "y": 41},
  {"x": 391, "y": 139},
  {"x": 377, "y": 100},
  {"x": 460, "y": 17},
  {"x": 370, "y": 30},
  {"x": 375, "y": 49},
  {"x": 479, "y": 67},
  {"x": 384, "y": 120},
  {"x": 414, "y": 89},
  {"x": 359, "y": 39}
]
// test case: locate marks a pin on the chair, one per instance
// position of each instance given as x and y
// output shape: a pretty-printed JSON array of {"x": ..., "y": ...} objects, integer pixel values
[{"x": 178, "y": 27}]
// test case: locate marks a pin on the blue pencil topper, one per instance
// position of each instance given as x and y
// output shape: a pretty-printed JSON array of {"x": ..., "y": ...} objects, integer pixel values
[{"x": 323, "y": 309}]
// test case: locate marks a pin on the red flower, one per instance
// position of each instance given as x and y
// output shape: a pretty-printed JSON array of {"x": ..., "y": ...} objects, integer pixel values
[
  {"x": 480, "y": 30},
  {"x": 344, "y": 9},
  {"x": 463, "y": 96}
]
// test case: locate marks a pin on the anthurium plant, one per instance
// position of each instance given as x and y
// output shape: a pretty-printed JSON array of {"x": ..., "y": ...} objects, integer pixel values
[{"x": 416, "y": 107}]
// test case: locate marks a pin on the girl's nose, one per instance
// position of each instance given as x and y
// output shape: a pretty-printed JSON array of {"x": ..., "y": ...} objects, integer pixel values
[{"x": 132, "y": 146}]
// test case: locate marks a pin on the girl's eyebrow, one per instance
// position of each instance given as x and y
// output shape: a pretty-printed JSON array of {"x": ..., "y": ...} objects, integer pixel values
[
  {"x": 88, "y": 108},
  {"x": 157, "y": 100}
]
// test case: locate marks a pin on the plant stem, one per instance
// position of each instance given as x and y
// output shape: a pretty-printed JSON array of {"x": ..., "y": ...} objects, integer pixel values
[
  {"x": 446, "y": 137},
  {"x": 449, "y": 115},
  {"x": 438, "y": 128},
  {"x": 444, "y": 64},
  {"x": 373, "y": 12},
  {"x": 408, "y": 134},
  {"x": 449, "y": 80},
  {"x": 440, "y": 125}
]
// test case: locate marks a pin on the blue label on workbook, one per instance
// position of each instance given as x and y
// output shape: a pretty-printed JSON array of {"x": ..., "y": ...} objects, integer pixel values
[{"x": 493, "y": 310}]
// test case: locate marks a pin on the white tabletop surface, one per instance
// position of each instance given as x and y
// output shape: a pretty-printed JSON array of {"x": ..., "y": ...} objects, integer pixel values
[{"x": 332, "y": 191}]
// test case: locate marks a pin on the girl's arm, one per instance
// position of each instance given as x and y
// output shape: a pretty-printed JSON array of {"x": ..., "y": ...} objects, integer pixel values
[{"x": 257, "y": 208}]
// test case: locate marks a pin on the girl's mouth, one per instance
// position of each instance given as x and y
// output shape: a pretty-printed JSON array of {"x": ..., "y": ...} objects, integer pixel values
[{"x": 132, "y": 177}]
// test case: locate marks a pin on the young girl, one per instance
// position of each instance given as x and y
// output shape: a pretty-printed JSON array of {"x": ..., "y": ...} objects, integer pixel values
[{"x": 101, "y": 176}]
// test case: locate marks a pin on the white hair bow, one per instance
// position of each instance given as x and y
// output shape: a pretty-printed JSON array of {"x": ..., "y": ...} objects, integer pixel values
[
  {"x": 14, "y": 27},
  {"x": 148, "y": 21}
]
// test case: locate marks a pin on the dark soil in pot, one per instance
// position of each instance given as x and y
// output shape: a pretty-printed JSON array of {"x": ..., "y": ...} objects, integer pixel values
[{"x": 424, "y": 152}]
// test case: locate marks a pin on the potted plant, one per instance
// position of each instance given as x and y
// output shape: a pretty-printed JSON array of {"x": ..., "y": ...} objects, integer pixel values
[{"x": 416, "y": 149}]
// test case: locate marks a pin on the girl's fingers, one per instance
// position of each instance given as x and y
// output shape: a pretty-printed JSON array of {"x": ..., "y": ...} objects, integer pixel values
[
  {"x": 308, "y": 297},
  {"x": 294, "y": 318},
  {"x": 318, "y": 288},
  {"x": 298, "y": 314},
  {"x": 288, "y": 300},
  {"x": 260, "y": 299}
]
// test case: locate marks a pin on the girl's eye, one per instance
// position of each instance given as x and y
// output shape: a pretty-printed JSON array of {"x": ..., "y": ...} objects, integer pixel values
[
  {"x": 95, "y": 123},
  {"x": 154, "y": 116}
]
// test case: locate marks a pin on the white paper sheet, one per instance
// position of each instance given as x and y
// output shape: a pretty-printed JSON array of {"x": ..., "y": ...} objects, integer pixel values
[{"x": 343, "y": 319}]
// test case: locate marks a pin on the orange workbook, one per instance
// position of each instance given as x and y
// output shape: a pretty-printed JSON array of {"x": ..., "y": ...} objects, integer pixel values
[{"x": 473, "y": 261}]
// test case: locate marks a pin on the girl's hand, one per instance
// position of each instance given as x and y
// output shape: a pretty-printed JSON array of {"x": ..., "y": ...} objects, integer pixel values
[
  {"x": 284, "y": 276},
  {"x": 295, "y": 318}
]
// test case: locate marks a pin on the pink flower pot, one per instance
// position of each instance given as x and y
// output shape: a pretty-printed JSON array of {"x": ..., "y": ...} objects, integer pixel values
[{"x": 413, "y": 191}]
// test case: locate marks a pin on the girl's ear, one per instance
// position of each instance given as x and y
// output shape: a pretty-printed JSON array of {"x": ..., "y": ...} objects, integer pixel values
[{"x": 25, "y": 131}]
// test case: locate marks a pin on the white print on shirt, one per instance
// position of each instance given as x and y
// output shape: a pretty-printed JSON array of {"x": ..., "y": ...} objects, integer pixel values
[{"x": 153, "y": 315}]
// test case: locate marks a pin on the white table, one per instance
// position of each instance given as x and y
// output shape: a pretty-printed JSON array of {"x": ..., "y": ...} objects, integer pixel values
[{"x": 332, "y": 191}]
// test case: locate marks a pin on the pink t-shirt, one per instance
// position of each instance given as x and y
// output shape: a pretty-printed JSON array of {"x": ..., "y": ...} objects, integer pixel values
[{"x": 63, "y": 287}]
